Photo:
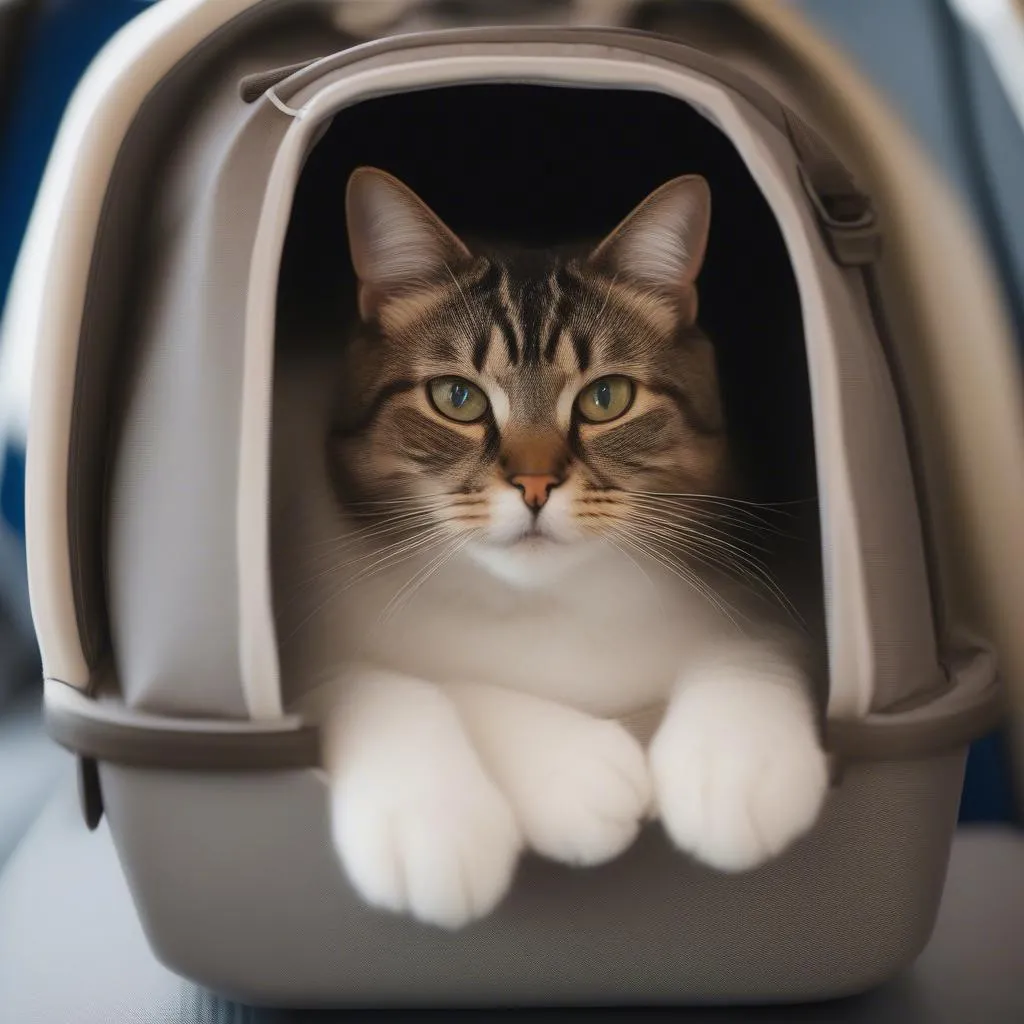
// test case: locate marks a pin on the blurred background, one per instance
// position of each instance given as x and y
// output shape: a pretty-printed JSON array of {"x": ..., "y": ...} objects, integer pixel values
[{"x": 945, "y": 66}]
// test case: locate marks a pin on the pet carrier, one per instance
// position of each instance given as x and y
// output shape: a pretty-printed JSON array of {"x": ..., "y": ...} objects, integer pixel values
[{"x": 194, "y": 192}]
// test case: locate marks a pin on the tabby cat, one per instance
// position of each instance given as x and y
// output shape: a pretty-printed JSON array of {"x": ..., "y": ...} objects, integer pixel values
[{"x": 534, "y": 496}]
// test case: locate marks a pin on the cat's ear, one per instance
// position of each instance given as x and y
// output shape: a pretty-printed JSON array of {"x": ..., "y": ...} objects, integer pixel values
[
  {"x": 661, "y": 244},
  {"x": 397, "y": 242}
]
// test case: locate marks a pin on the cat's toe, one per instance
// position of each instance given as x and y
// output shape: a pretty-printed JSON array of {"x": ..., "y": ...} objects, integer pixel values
[
  {"x": 446, "y": 862},
  {"x": 590, "y": 798},
  {"x": 735, "y": 793}
]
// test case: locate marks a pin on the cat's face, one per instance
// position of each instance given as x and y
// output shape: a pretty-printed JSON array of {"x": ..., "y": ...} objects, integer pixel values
[{"x": 527, "y": 407}]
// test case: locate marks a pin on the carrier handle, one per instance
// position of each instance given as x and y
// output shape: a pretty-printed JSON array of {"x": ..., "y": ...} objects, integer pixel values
[
  {"x": 967, "y": 706},
  {"x": 965, "y": 703},
  {"x": 845, "y": 213}
]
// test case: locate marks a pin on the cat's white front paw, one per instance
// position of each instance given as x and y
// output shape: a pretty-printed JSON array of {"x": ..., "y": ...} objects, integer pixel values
[
  {"x": 442, "y": 850},
  {"x": 738, "y": 771},
  {"x": 587, "y": 796},
  {"x": 417, "y": 823},
  {"x": 579, "y": 785}
]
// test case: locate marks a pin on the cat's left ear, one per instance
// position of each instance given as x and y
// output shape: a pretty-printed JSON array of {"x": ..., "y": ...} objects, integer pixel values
[
  {"x": 397, "y": 242},
  {"x": 660, "y": 246}
]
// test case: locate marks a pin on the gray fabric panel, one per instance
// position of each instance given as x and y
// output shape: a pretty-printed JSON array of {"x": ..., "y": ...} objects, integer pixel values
[
  {"x": 173, "y": 584},
  {"x": 895, "y": 567},
  {"x": 171, "y": 531},
  {"x": 72, "y": 949},
  {"x": 238, "y": 888}
]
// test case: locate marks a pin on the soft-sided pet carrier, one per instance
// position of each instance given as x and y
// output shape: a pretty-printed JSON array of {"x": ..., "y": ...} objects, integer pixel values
[{"x": 194, "y": 191}]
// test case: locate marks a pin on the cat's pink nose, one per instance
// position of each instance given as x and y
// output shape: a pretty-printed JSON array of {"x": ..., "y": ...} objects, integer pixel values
[{"x": 535, "y": 487}]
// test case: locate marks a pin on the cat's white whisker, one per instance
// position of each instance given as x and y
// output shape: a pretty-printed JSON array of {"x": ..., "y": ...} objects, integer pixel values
[
  {"x": 408, "y": 591},
  {"x": 336, "y": 566},
  {"x": 604, "y": 305},
  {"x": 474, "y": 322},
  {"x": 656, "y": 539},
  {"x": 398, "y": 550},
  {"x": 625, "y": 554},
  {"x": 739, "y": 518},
  {"x": 391, "y": 525},
  {"x": 722, "y": 554},
  {"x": 683, "y": 572},
  {"x": 689, "y": 524},
  {"x": 740, "y": 505},
  {"x": 726, "y": 498},
  {"x": 706, "y": 506},
  {"x": 406, "y": 500},
  {"x": 395, "y": 558}
]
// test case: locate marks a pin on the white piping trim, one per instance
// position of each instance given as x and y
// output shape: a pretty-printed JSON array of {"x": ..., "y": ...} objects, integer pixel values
[
  {"x": 852, "y": 659},
  {"x": 281, "y": 105}
]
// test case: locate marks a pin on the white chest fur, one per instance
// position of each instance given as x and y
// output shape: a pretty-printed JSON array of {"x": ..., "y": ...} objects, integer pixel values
[{"x": 607, "y": 638}]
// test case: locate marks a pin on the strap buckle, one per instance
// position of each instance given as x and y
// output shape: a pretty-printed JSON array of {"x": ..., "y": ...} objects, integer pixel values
[{"x": 849, "y": 223}]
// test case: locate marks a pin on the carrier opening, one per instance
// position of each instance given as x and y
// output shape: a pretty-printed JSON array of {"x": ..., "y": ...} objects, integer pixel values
[{"x": 540, "y": 166}]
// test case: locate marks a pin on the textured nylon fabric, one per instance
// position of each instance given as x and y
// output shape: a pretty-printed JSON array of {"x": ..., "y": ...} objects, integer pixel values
[
  {"x": 239, "y": 889},
  {"x": 72, "y": 950}
]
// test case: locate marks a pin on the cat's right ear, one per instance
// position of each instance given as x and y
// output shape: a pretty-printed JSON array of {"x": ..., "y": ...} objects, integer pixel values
[
  {"x": 660, "y": 246},
  {"x": 397, "y": 242}
]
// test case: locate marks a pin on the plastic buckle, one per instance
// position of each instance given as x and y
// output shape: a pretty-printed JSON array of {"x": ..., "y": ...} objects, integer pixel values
[{"x": 852, "y": 233}]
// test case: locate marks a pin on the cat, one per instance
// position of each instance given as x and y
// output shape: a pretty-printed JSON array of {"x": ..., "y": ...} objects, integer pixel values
[{"x": 530, "y": 494}]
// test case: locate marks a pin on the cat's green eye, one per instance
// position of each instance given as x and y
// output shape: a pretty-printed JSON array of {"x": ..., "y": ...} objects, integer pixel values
[
  {"x": 606, "y": 399},
  {"x": 457, "y": 399}
]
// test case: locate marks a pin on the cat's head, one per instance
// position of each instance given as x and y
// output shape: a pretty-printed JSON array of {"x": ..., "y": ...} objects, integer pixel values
[{"x": 534, "y": 406}]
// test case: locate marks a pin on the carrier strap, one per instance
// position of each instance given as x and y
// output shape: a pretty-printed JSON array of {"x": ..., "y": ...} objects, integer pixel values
[{"x": 844, "y": 211}]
